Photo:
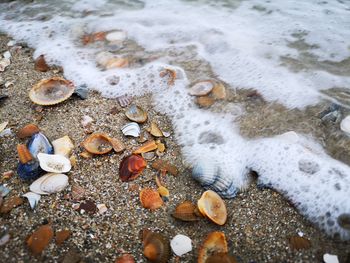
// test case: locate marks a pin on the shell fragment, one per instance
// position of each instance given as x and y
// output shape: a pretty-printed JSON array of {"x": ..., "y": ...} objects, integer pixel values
[{"x": 33, "y": 199}]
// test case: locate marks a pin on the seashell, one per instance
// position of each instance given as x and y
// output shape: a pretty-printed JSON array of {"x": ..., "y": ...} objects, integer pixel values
[
  {"x": 10, "y": 203},
  {"x": 201, "y": 88},
  {"x": 38, "y": 143},
  {"x": 117, "y": 145},
  {"x": 54, "y": 163},
  {"x": 219, "y": 91},
  {"x": 97, "y": 143},
  {"x": 344, "y": 221},
  {"x": 40, "y": 64},
  {"x": 155, "y": 131},
  {"x": 161, "y": 165},
  {"x": 146, "y": 147},
  {"x": 62, "y": 236},
  {"x": 27, "y": 131},
  {"x": 116, "y": 36},
  {"x": 49, "y": 183},
  {"x": 24, "y": 154},
  {"x": 33, "y": 199},
  {"x": 116, "y": 62},
  {"x": 328, "y": 258},
  {"x": 222, "y": 258},
  {"x": 150, "y": 199},
  {"x": 215, "y": 243},
  {"x": 35, "y": 187},
  {"x": 63, "y": 146},
  {"x": 186, "y": 212},
  {"x": 163, "y": 191},
  {"x": 131, "y": 129},
  {"x": 345, "y": 125},
  {"x": 126, "y": 258},
  {"x": 155, "y": 247},
  {"x": 135, "y": 113},
  {"x": 124, "y": 101},
  {"x": 205, "y": 101},
  {"x": 171, "y": 74},
  {"x": 181, "y": 245},
  {"x": 297, "y": 243},
  {"x": 91, "y": 38},
  {"x": 3, "y": 125},
  {"x": 51, "y": 91},
  {"x": 213, "y": 207},
  {"x": 160, "y": 147},
  {"x": 28, "y": 168},
  {"x": 78, "y": 192},
  {"x": 131, "y": 167},
  {"x": 40, "y": 239},
  {"x": 148, "y": 156}
]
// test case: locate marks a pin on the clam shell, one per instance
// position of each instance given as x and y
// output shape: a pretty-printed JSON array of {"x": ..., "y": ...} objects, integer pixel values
[
  {"x": 213, "y": 207},
  {"x": 181, "y": 245},
  {"x": 124, "y": 101},
  {"x": 27, "y": 131},
  {"x": 131, "y": 167},
  {"x": 131, "y": 129},
  {"x": 54, "y": 163},
  {"x": 201, "y": 88},
  {"x": 215, "y": 243},
  {"x": 116, "y": 36},
  {"x": 49, "y": 183},
  {"x": 98, "y": 143},
  {"x": 155, "y": 247},
  {"x": 63, "y": 146},
  {"x": 185, "y": 212},
  {"x": 38, "y": 143},
  {"x": 150, "y": 199},
  {"x": 36, "y": 185},
  {"x": 51, "y": 91},
  {"x": 136, "y": 113},
  {"x": 33, "y": 199},
  {"x": 146, "y": 147}
]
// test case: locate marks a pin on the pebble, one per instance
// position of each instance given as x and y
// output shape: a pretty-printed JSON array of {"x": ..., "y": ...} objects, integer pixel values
[
  {"x": 328, "y": 258},
  {"x": 181, "y": 245}
]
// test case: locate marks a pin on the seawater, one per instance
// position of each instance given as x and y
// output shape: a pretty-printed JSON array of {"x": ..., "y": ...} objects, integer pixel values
[{"x": 292, "y": 52}]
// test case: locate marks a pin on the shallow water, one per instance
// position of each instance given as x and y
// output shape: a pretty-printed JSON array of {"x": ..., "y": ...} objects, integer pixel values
[{"x": 294, "y": 54}]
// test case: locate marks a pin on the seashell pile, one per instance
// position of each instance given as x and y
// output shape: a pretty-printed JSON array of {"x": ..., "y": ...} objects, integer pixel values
[
  {"x": 150, "y": 199},
  {"x": 155, "y": 247},
  {"x": 131, "y": 167},
  {"x": 136, "y": 114},
  {"x": 51, "y": 91},
  {"x": 213, "y": 207},
  {"x": 54, "y": 163},
  {"x": 49, "y": 183},
  {"x": 131, "y": 129}
]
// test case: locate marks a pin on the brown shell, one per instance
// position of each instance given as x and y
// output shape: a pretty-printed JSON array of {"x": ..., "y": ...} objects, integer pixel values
[
  {"x": 215, "y": 243},
  {"x": 161, "y": 165},
  {"x": 155, "y": 247},
  {"x": 297, "y": 243},
  {"x": 40, "y": 64},
  {"x": 126, "y": 258},
  {"x": 344, "y": 221},
  {"x": 51, "y": 91},
  {"x": 146, "y": 147},
  {"x": 205, "y": 101},
  {"x": 24, "y": 154},
  {"x": 213, "y": 207},
  {"x": 118, "y": 146},
  {"x": 62, "y": 236},
  {"x": 185, "y": 211},
  {"x": 10, "y": 203},
  {"x": 221, "y": 258},
  {"x": 40, "y": 239},
  {"x": 98, "y": 36},
  {"x": 163, "y": 191},
  {"x": 136, "y": 113},
  {"x": 98, "y": 143},
  {"x": 131, "y": 167},
  {"x": 150, "y": 199},
  {"x": 27, "y": 131},
  {"x": 219, "y": 91}
]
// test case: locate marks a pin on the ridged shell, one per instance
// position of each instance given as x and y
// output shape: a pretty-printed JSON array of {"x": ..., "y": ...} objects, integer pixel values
[
  {"x": 162, "y": 165},
  {"x": 213, "y": 207},
  {"x": 51, "y": 91},
  {"x": 136, "y": 113},
  {"x": 97, "y": 143},
  {"x": 124, "y": 101},
  {"x": 150, "y": 199},
  {"x": 54, "y": 163},
  {"x": 49, "y": 183},
  {"x": 131, "y": 167},
  {"x": 38, "y": 143},
  {"x": 63, "y": 146},
  {"x": 24, "y": 154},
  {"x": 131, "y": 129},
  {"x": 146, "y": 147},
  {"x": 27, "y": 131},
  {"x": 222, "y": 258},
  {"x": 126, "y": 258},
  {"x": 298, "y": 243},
  {"x": 201, "y": 88},
  {"x": 185, "y": 212},
  {"x": 155, "y": 247},
  {"x": 28, "y": 168},
  {"x": 215, "y": 243}
]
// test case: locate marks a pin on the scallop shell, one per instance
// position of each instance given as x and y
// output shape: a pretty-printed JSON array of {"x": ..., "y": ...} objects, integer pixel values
[
  {"x": 181, "y": 245},
  {"x": 54, "y": 163},
  {"x": 124, "y": 101},
  {"x": 33, "y": 199},
  {"x": 155, "y": 247},
  {"x": 126, "y": 258},
  {"x": 201, "y": 88},
  {"x": 215, "y": 243},
  {"x": 63, "y": 146},
  {"x": 51, "y": 91},
  {"x": 213, "y": 207},
  {"x": 131, "y": 129},
  {"x": 185, "y": 212},
  {"x": 49, "y": 183},
  {"x": 131, "y": 167},
  {"x": 27, "y": 131},
  {"x": 222, "y": 258},
  {"x": 97, "y": 143},
  {"x": 146, "y": 147},
  {"x": 136, "y": 113},
  {"x": 150, "y": 199}
]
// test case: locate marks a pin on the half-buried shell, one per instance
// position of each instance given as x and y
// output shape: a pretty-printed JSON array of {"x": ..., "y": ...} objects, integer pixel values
[
  {"x": 98, "y": 143},
  {"x": 155, "y": 247},
  {"x": 215, "y": 243},
  {"x": 150, "y": 199},
  {"x": 49, "y": 183},
  {"x": 51, "y": 91},
  {"x": 131, "y": 167},
  {"x": 136, "y": 113},
  {"x": 213, "y": 207},
  {"x": 54, "y": 163}
]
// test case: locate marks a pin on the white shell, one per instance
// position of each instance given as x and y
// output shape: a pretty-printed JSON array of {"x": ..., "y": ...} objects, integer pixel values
[
  {"x": 345, "y": 125},
  {"x": 54, "y": 163},
  {"x": 54, "y": 183},
  {"x": 328, "y": 258},
  {"x": 290, "y": 136},
  {"x": 33, "y": 199},
  {"x": 116, "y": 36},
  {"x": 201, "y": 88},
  {"x": 63, "y": 146},
  {"x": 36, "y": 185},
  {"x": 181, "y": 245},
  {"x": 131, "y": 129}
]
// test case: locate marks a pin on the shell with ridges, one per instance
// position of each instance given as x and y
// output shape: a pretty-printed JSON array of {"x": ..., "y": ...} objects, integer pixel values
[
  {"x": 51, "y": 91},
  {"x": 185, "y": 212},
  {"x": 136, "y": 113},
  {"x": 215, "y": 243},
  {"x": 54, "y": 163},
  {"x": 155, "y": 247},
  {"x": 27, "y": 131},
  {"x": 131, "y": 167},
  {"x": 131, "y": 129},
  {"x": 155, "y": 131},
  {"x": 63, "y": 146},
  {"x": 24, "y": 154},
  {"x": 150, "y": 199},
  {"x": 213, "y": 207},
  {"x": 98, "y": 143}
]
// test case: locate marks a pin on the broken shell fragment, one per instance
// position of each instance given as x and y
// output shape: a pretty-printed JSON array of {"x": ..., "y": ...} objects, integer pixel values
[
  {"x": 150, "y": 199},
  {"x": 215, "y": 243},
  {"x": 201, "y": 88},
  {"x": 49, "y": 183},
  {"x": 117, "y": 62},
  {"x": 97, "y": 143},
  {"x": 163, "y": 191},
  {"x": 131, "y": 129},
  {"x": 205, "y": 101},
  {"x": 51, "y": 91},
  {"x": 136, "y": 113},
  {"x": 54, "y": 163},
  {"x": 117, "y": 145},
  {"x": 40, "y": 239},
  {"x": 40, "y": 64},
  {"x": 181, "y": 245},
  {"x": 131, "y": 167},
  {"x": 213, "y": 207},
  {"x": 63, "y": 146},
  {"x": 27, "y": 131},
  {"x": 146, "y": 147},
  {"x": 185, "y": 212},
  {"x": 33, "y": 199},
  {"x": 161, "y": 165},
  {"x": 155, "y": 131},
  {"x": 155, "y": 247}
]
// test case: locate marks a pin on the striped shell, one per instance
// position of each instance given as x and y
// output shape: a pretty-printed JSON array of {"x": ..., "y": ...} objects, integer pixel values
[
  {"x": 155, "y": 247},
  {"x": 186, "y": 211},
  {"x": 150, "y": 199},
  {"x": 213, "y": 207}
]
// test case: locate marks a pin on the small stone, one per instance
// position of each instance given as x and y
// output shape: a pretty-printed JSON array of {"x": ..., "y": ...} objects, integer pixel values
[
  {"x": 4, "y": 239},
  {"x": 40, "y": 239},
  {"x": 328, "y": 258},
  {"x": 88, "y": 206},
  {"x": 10, "y": 203},
  {"x": 7, "y": 175},
  {"x": 102, "y": 208},
  {"x": 62, "y": 235},
  {"x": 40, "y": 64},
  {"x": 86, "y": 121}
]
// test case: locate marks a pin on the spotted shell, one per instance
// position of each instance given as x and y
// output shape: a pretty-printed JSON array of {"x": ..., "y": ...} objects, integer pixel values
[
  {"x": 51, "y": 91},
  {"x": 150, "y": 199},
  {"x": 155, "y": 247},
  {"x": 97, "y": 143},
  {"x": 185, "y": 211},
  {"x": 27, "y": 131},
  {"x": 215, "y": 243},
  {"x": 131, "y": 167},
  {"x": 213, "y": 207}
]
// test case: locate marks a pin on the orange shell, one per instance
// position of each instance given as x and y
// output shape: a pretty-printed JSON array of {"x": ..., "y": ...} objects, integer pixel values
[
  {"x": 24, "y": 154},
  {"x": 161, "y": 165},
  {"x": 27, "y": 131},
  {"x": 155, "y": 247},
  {"x": 40, "y": 239},
  {"x": 131, "y": 167},
  {"x": 146, "y": 147},
  {"x": 117, "y": 145},
  {"x": 222, "y": 258},
  {"x": 297, "y": 243},
  {"x": 126, "y": 258},
  {"x": 215, "y": 243},
  {"x": 212, "y": 206},
  {"x": 51, "y": 91},
  {"x": 150, "y": 199},
  {"x": 98, "y": 143},
  {"x": 185, "y": 211}
]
